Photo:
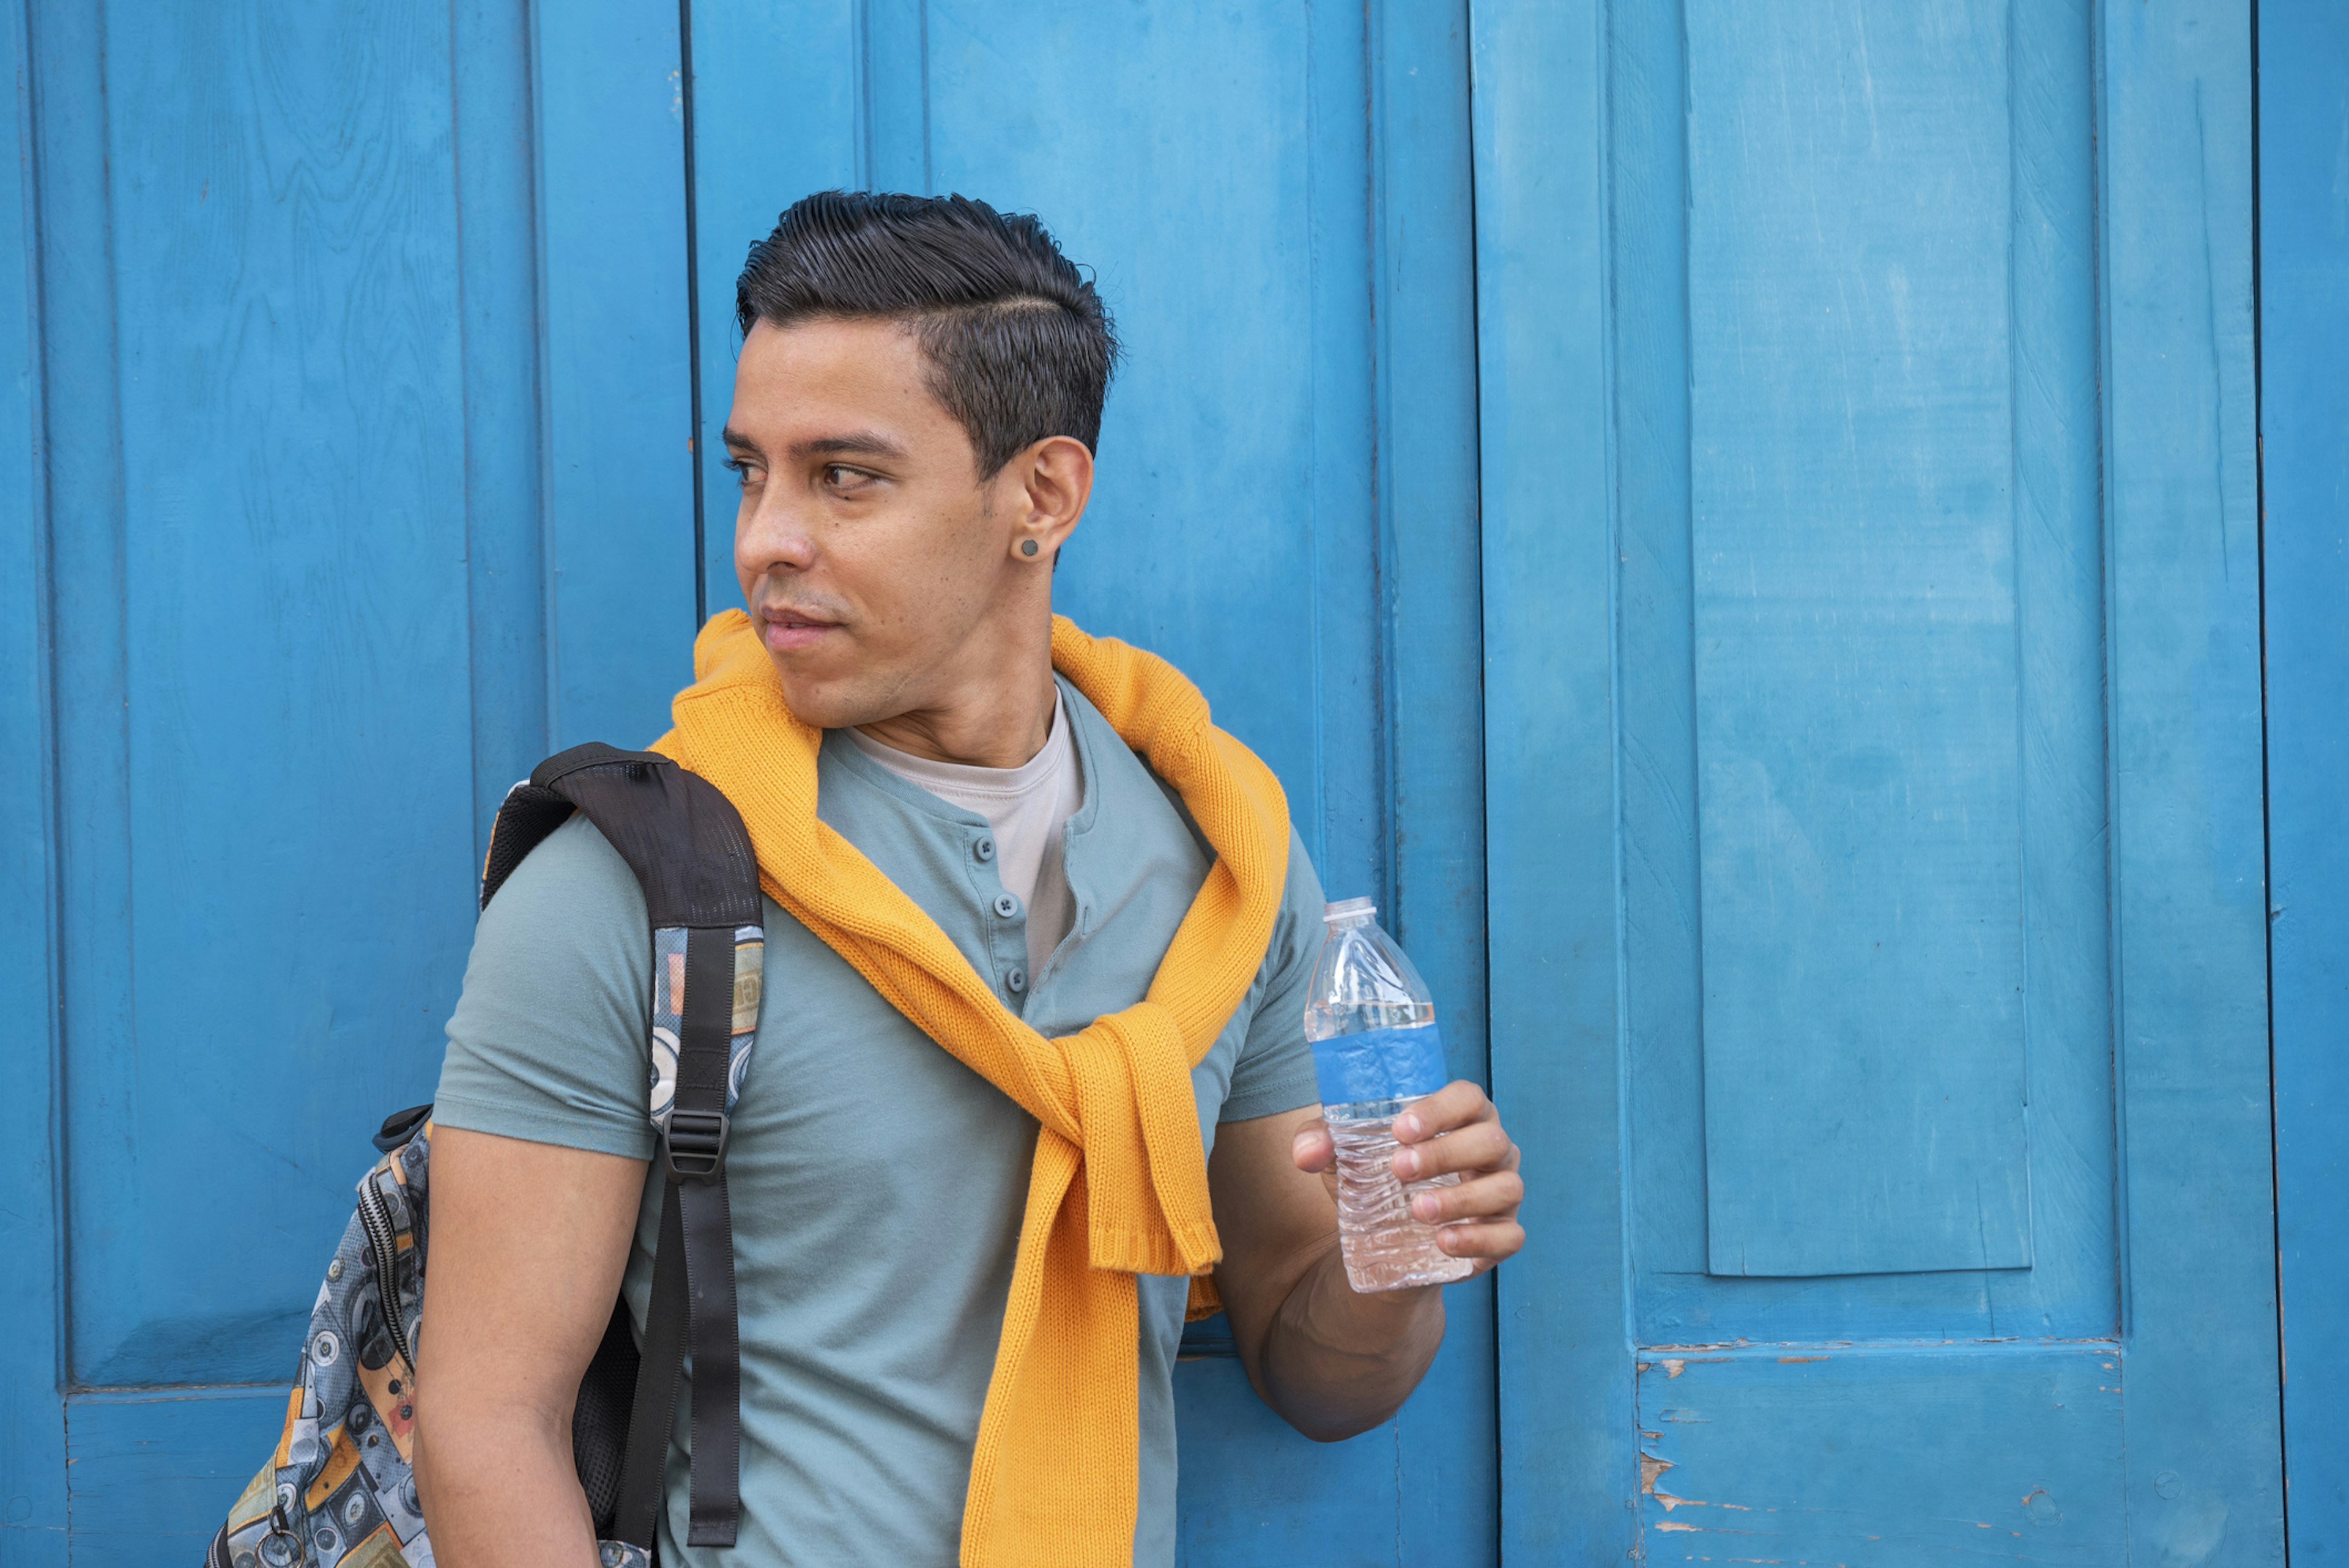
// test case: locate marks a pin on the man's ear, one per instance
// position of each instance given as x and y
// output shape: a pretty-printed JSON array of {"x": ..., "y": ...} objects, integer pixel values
[{"x": 1056, "y": 478}]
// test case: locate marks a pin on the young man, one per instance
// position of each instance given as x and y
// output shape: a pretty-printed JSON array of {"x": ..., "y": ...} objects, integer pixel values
[{"x": 914, "y": 414}]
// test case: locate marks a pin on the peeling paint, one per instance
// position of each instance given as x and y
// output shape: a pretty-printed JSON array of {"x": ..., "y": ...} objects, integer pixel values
[{"x": 1650, "y": 1467}]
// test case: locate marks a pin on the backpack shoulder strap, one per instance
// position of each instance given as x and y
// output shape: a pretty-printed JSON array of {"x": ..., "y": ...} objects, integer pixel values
[
  {"x": 683, "y": 839},
  {"x": 692, "y": 857}
]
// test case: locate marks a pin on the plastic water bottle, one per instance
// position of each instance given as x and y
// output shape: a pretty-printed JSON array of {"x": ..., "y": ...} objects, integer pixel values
[{"x": 1376, "y": 1049}]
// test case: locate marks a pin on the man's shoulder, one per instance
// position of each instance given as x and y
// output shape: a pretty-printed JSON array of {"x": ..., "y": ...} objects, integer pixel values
[{"x": 573, "y": 878}]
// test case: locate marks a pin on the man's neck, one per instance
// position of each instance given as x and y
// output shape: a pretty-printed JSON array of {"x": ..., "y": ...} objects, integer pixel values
[{"x": 999, "y": 715}]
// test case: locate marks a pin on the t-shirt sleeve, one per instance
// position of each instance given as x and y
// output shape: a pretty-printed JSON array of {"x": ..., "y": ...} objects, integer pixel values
[
  {"x": 548, "y": 1041},
  {"x": 1274, "y": 1069}
]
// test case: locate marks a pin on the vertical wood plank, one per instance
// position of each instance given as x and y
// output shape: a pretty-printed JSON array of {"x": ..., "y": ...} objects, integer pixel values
[
  {"x": 893, "y": 80},
  {"x": 32, "y": 1415},
  {"x": 775, "y": 111},
  {"x": 2188, "y": 896},
  {"x": 2304, "y": 63},
  {"x": 270, "y": 601},
  {"x": 1568, "y": 1460},
  {"x": 2070, "y": 1290},
  {"x": 617, "y": 394},
  {"x": 1856, "y": 682},
  {"x": 1424, "y": 308},
  {"x": 497, "y": 262}
]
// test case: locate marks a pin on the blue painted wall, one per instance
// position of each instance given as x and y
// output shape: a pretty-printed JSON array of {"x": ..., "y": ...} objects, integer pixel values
[{"x": 2304, "y": 437}]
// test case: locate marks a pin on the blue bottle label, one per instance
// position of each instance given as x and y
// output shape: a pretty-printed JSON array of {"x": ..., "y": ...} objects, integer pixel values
[{"x": 1379, "y": 1064}]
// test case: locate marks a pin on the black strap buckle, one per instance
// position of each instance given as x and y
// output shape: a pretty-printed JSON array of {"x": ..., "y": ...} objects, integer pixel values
[{"x": 694, "y": 1148}]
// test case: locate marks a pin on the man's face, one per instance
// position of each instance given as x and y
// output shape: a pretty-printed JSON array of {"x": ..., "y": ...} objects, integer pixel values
[{"x": 870, "y": 551}]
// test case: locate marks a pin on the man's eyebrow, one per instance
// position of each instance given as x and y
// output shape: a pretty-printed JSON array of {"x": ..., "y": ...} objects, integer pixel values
[{"x": 854, "y": 443}]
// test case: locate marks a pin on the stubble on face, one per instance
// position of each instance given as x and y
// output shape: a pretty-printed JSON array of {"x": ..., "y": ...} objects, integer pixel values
[{"x": 870, "y": 554}]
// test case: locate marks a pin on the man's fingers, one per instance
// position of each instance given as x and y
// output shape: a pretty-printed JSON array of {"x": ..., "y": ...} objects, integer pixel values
[
  {"x": 1487, "y": 1243},
  {"x": 1313, "y": 1149},
  {"x": 1479, "y": 1146},
  {"x": 1491, "y": 1197},
  {"x": 1456, "y": 1105}
]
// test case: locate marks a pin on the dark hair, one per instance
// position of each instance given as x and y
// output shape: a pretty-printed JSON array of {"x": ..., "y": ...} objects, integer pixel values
[{"x": 1019, "y": 345}]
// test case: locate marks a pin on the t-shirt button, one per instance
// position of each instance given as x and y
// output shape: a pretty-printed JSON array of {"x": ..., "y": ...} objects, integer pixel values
[
  {"x": 1017, "y": 979},
  {"x": 984, "y": 849},
  {"x": 1006, "y": 906}
]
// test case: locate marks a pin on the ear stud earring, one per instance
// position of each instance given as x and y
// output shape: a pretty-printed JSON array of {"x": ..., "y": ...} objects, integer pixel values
[{"x": 1028, "y": 547}]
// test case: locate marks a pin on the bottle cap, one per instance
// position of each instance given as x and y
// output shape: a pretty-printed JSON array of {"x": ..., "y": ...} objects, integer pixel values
[{"x": 1348, "y": 909}]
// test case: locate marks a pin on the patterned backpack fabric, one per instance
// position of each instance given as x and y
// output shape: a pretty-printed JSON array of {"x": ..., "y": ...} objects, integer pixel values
[{"x": 339, "y": 1490}]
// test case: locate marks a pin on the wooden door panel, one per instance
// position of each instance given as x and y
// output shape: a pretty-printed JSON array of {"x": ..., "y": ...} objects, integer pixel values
[
  {"x": 1284, "y": 505},
  {"x": 311, "y": 591},
  {"x": 1923, "y": 1093},
  {"x": 1916, "y": 510},
  {"x": 1856, "y": 689},
  {"x": 2005, "y": 1452}
]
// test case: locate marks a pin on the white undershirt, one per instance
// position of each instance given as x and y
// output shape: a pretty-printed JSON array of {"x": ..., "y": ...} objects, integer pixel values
[{"x": 1025, "y": 807}]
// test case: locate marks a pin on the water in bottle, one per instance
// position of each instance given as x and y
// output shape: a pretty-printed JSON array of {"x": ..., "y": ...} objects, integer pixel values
[{"x": 1376, "y": 1049}]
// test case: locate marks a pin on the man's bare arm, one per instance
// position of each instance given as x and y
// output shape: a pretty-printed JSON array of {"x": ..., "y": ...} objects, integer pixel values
[
  {"x": 1330, "y": 1362},
  {"x": 528, "y": 1242}
]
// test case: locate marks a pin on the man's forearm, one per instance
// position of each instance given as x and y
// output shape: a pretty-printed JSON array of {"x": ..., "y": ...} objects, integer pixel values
[
  {"x": 1336, "y": 1361},
  {"x": 503, "y": 1491}
]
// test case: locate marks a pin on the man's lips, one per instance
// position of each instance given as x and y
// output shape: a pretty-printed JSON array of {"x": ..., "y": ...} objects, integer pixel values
[{"x": 786, "y": 630}]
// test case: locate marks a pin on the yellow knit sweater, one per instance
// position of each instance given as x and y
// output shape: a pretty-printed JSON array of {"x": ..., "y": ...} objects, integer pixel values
[{"x": 1120, "y": 1182}]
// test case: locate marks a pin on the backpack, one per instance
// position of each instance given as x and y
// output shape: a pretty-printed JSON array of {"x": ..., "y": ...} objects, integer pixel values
[{"x": 339, "y": 1491}]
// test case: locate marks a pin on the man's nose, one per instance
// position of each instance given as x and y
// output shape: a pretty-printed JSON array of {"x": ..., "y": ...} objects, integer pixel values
[{"x": 773, "y": 536}]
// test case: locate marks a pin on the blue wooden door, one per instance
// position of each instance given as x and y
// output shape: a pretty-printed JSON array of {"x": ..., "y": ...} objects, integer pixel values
[
  {"x": 1874, "y": 764},
  {"x": 1274, "y": 200},
  {"x": 310, "y": 550},
  {"x": 357, "y": 469}
]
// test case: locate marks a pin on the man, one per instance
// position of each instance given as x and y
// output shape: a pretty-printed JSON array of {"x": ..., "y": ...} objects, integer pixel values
[{"x": 915, "y": 409}]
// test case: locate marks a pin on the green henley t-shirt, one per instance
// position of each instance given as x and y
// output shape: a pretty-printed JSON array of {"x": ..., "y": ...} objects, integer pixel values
[{"x": 877, "y": 1183}]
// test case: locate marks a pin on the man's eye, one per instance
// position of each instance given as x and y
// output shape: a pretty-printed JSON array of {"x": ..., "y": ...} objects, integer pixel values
[
  {"x": 840, "y": 477},
  {"x": 740, "y": 470}
]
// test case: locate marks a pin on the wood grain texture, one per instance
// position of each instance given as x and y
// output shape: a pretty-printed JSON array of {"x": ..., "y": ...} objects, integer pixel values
[
  {"x": 2008, "y": 1453},
  {"x": 289, "y": 391},
  {"x": 2189, "y": 897},
  {"x": 1568, "y": 1457},
  {"x": 154, "y": 1471},
  {"x": 268, "y": 604},
  {"x": 2303, "y": 59},
  {"x": 616, "y": 399},
  {"x": 498, "y": 277},
  {"x": 33, "y": 1510},
  {"x": 775, "y": 96},
  {"x": 2071, "y": 1290},
  {"x": 1855, "y": 696},
  {"x": 1429, "y": 615}
]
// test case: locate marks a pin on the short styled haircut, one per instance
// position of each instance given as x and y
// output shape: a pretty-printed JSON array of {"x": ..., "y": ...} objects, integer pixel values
[{"x": 1019, "y": 345}]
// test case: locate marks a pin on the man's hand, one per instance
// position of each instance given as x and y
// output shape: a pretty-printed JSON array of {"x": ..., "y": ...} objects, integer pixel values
[
  {"x": 1330, "y": 1361},
  {"x": 1456, "y": 1129}
]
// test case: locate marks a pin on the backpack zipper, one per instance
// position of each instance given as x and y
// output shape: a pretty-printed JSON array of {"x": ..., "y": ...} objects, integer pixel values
[{"x": 375, "y": 1216}]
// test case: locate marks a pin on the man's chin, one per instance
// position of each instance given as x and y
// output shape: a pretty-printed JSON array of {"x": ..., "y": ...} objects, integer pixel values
[{"x": 827, "y": 701}]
